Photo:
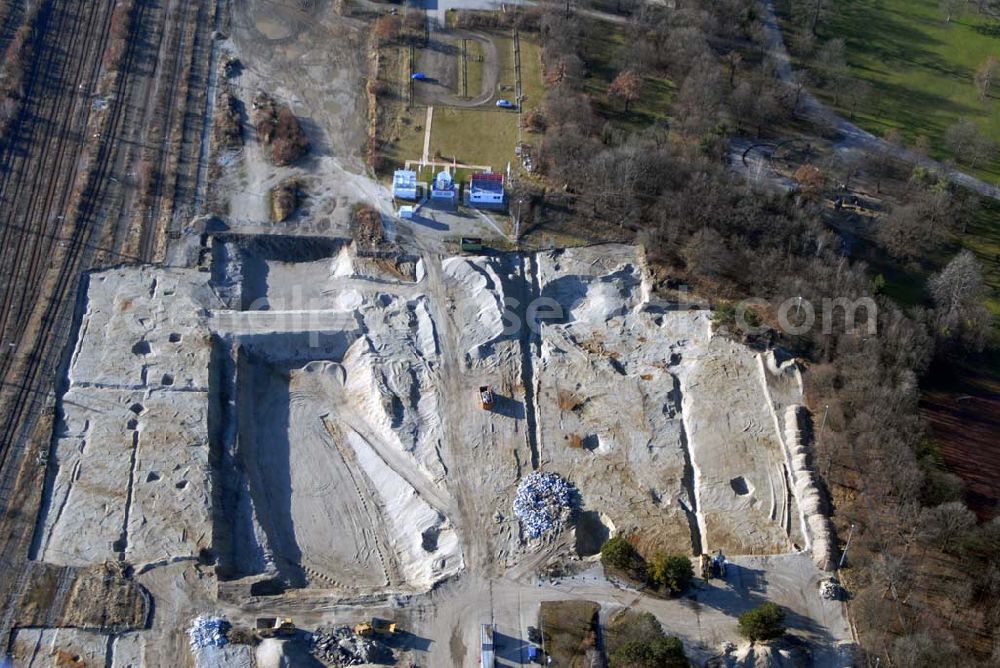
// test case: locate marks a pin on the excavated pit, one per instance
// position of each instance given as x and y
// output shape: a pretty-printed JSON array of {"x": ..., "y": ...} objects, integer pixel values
[
  {"x": 330, "y": 433},
  {"x": 591, "y": 533}
]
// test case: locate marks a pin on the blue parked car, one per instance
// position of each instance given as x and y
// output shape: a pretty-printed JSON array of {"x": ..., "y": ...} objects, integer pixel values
[
  {"x": 418, "y": 76},
  {"x": 506, "y": 104}
]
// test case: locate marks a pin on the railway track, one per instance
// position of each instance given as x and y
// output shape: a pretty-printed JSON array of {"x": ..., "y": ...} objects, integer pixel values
[
  {"x": 67, "y": 203},
  {"x": 31, "y": 254},
  {"x": 62, "y": 210},
  {"x": 28, "y": 186},
  {"x": 147, "y": 245},
  {"x": 43, "y": 360},
  {"x": 178, "y": 160},
  {"x": 193, "y": 120},
  {"x": 144, "y": 138}
]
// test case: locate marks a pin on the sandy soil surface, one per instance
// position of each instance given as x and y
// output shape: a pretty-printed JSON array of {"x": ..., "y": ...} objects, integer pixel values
[
  {"x": 130, "y": 473},
  {"x": 609, "y": 408},
  {"x": 667, "y": 429},
  {"x": 297, "y": 430},
  {"x": 313, "y": 59}
]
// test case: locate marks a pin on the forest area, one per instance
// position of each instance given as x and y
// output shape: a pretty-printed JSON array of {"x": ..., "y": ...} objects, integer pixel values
[{"x": 924, "y": 569}]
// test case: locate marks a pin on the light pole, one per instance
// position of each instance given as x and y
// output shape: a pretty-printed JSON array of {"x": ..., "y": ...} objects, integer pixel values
[
  {"x": 843, "y": 556},
  {"x": 822, "y": 428}
]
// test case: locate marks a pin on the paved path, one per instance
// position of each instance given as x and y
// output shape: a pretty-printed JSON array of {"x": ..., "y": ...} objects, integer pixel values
[
  {"x": 427, "y": 134},
  {"x": 855, "y": 137}
]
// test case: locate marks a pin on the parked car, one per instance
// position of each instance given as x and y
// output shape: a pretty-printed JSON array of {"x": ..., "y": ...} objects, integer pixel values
[
  {"x": 506, "y": 104},
  {"x": 418, "y": 76}
]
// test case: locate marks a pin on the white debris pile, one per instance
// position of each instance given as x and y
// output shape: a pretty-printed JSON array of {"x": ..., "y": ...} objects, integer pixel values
[
  {"x": 542, "y": 503},
  {"x": 208, "y": 631},
  {"x": 817, "y": 525},
  {"x": 831, "y": 590}
]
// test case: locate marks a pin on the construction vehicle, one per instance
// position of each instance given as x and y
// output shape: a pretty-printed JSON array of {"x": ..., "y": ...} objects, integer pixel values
[
  {"x": 268, "y": 627},
  {"x": 376, "y": 625},
  {"x": 471, "y": 244},
  {"x": 713, "y": 565},
  {"x": 486, "y": 397}
]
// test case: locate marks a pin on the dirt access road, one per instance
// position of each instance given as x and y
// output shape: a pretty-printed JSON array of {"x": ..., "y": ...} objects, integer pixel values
[
  {"x": 73, "y": 199},
  {"x": 854, "y": 137}
]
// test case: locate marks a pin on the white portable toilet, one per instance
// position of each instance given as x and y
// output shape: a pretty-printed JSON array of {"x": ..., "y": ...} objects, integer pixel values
[{"x": 444, "y": 187}]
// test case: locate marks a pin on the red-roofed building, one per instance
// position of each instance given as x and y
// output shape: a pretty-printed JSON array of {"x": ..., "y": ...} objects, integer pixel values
[{"x": 486, "y": 188}]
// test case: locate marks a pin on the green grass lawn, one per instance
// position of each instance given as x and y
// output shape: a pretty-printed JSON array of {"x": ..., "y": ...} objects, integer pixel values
[
  {"x": 531, "y": 72},
  {"x": 921, "y": 68},
  {"x": 983, "y": 239},
  {"x": 402, "y": 129},
  {"x": 488, "y": 135},
  {"x": 603, "y": 45},
  {"x": 482, "y": 135},
  {"x": 474, "y": 67},
  {"x": 475, "y": 136}
]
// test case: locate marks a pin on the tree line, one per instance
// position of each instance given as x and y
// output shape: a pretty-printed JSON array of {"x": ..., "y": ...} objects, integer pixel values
[{"x": 669, "y": 186}]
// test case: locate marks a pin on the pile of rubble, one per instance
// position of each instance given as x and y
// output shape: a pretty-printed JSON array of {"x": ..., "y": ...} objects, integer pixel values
[
  {"x": 208, "y": 631},
  {"x": 831, "y": 589},
  {"x": 542, "y": 503},
  {"x": 341, "y": 646}
]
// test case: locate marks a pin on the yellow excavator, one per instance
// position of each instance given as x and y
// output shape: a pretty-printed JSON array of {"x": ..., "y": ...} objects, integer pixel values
[
  {"x": 376, "y": 625},
  {"x": 268, "y": 627}
]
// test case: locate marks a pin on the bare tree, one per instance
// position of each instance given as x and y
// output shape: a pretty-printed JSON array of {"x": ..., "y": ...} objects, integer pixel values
[
  {"x": 881, "y": 161},
  {"x": 922, "y": 145},
  {"x": 627, "y": 86},
  {"x": 985, "y": 75},
  {"x": 742, "y": 102},
  {"x": 831, "y": 60},
  {"x": 732, "y": 61},
  {"x": 700, "y": 97},
  {"x": 921, "y": 650},
  {"x": 818, "y": 9},
  {"x": 387, "y": 28},
  {"x": 944, "y": 524},
  {"x": 968, "y": 144},
  {"x": 910, "y": 231},
  {"x": 707, "y": 254},
  {"x": 950, "y": 8},
  {"x": 858, "y": 94},
  {"x": 961, "y": 318}
]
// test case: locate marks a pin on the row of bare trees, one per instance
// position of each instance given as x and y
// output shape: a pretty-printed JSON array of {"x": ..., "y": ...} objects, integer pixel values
[{"x": 14, "y": 64}]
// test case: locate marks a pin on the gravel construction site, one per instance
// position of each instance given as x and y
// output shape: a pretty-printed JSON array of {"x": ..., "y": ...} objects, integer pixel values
[
  {"x": 307, "y": 438},
  {"x": 256, "y": 421}
]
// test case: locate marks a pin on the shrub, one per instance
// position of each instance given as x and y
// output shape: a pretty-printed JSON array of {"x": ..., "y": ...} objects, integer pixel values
[
  {"x": 387, "y": 28},
  {"x": 290, "y": 141},
  {"x": 618, "y": 553},
  {"x": 656, "y": 653},
  {"x": 764, "y": 622},
  {"x": 673, "y": 572},
  {"x": 534, "y": 121}
]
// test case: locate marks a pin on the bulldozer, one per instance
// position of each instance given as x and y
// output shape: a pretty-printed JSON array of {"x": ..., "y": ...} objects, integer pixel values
[
  {"x": 376, "y": 625},
  {"x": 269, "y": 627},
  {"x": 486, "y": 397}
]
